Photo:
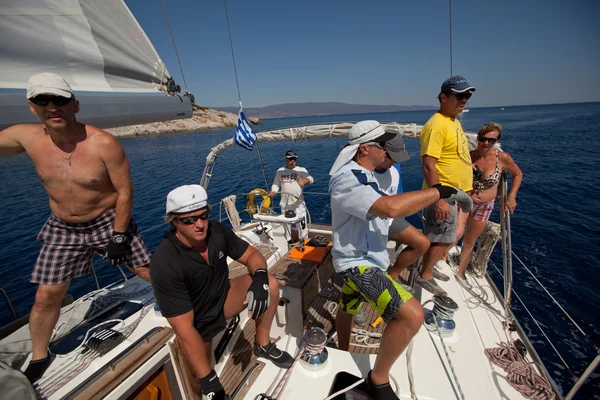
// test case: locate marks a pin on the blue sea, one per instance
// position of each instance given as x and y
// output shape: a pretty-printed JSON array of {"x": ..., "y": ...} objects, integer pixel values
[{"x": 555, "y": 229}]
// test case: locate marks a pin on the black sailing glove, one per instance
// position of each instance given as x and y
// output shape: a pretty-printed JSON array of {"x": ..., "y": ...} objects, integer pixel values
[
  {"x": 258, "y": 293},
  {"x": 450, "y": 194},
  {"x": 212, "y": 388},
  {"x": 117, "y": 249}
]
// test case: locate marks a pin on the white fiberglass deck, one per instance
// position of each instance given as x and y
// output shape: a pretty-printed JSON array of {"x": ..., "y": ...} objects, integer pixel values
[{"x": 477, "y": 328}]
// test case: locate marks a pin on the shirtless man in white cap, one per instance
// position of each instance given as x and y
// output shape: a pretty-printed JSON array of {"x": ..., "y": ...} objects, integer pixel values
[
  {"x": 360, "y": 219},
  {"x": 86, "y": 175}
]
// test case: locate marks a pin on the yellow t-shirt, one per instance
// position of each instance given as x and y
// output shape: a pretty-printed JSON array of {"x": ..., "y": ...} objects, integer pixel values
[{"x": 442, "y": 137}]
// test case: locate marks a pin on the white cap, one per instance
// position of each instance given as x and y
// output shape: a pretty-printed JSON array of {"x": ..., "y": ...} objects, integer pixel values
[
  {"x": 48, "y": 83},
  {"x": 361, "y": 132},
  {"x": 186, "y": 198}
]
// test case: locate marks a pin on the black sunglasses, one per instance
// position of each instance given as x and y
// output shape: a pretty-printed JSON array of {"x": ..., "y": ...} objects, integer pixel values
[
  {"x": 487, "y": 139},
  {"x": 381, "y": 145},
  {"x": 193, "y": 219},
  {"x": 43, "y": 100},
  {"x": 460, "y": 96}
]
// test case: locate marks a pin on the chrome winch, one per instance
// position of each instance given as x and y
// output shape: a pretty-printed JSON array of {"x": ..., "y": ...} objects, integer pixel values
[
  {"x": 314, "y": 354},
  {"x": 443, "y": 313}
]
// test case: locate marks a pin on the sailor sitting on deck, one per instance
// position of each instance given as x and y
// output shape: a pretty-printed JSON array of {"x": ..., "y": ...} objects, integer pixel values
[
  {"x": 360, "y": 221},
  {"x": 191, "y": 282}
]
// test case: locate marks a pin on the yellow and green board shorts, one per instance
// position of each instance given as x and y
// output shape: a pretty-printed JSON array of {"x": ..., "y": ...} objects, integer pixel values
[{"x": 375, "y": 286}]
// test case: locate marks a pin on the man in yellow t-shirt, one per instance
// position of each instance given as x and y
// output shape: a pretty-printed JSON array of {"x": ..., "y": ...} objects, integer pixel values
[{"x": 445, "y": 161}]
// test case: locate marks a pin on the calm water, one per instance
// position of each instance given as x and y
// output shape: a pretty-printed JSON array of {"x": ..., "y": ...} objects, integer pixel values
[{"x": 556, "y": 227}]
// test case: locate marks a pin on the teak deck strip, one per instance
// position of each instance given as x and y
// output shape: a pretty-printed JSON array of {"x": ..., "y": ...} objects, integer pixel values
[{"x": 241, "y": 360}]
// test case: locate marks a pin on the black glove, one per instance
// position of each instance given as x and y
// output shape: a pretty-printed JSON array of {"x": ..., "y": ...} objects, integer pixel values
[
  {"x": 258, "y": 293},
  {"x": 212, "y": 388},
  {"x": 445, "y": 191},
  {"x": 117, "y": 249}
]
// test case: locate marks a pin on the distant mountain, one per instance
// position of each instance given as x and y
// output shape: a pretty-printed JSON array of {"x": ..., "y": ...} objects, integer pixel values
[{"x": 312, "y": 109}]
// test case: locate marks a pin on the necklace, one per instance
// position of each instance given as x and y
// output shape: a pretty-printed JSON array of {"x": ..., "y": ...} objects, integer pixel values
[{"x": 60, "y": 152}]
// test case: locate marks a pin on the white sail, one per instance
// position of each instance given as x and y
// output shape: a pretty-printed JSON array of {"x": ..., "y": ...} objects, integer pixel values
[{"x": 98, "y": 47}]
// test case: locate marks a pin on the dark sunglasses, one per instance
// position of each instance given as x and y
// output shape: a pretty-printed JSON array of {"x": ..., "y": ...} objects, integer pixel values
[
  {"x": 44, "y": 100},
  {"x": 381, "y": 145},
  {"x": 487, "y": 139},
  {"x": 193, "y": 219},
  {"x": 461, "y": 96}
]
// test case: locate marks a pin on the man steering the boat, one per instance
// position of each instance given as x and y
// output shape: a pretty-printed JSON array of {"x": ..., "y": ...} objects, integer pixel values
[
  {"x": 191, "y": 282},
  {"x": 360, "y": 220},
  {"x": 291, "y": 179},
  {"x": 86, "y": 175}
]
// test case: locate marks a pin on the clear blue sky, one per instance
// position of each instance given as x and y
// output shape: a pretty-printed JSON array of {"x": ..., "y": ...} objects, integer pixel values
[{"x": 380, "y": 51}]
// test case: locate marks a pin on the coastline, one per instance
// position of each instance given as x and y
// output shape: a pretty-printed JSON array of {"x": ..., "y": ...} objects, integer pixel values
[{"x": 203, "y": 118}]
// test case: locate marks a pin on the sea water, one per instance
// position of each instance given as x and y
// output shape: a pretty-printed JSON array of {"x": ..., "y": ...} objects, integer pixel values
[{"x": 555, "y": 228}]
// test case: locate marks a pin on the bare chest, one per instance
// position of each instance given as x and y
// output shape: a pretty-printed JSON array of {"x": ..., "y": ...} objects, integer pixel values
[{"x": 79, "y": 168}]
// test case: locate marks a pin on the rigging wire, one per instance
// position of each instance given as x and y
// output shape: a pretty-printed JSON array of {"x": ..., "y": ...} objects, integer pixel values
[
  {"x": 237, "y": 83},
  {"x": 175, "y": 46},
  {"x": 450, "y": 6}
]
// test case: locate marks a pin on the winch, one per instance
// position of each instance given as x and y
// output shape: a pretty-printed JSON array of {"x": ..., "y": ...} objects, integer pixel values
[
  {"x": 443, "y": 312},
  {"x": 314, "y": 354}
]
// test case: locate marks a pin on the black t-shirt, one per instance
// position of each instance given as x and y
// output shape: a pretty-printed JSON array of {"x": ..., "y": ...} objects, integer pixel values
[{"x": 184, "y": 281}]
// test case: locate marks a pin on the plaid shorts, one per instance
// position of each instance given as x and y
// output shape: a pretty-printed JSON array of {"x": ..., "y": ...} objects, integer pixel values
[
  {"x": 68, "y": 249},
  {"x": 482, "y": 212},
  {"x": 375, "y": 286}
]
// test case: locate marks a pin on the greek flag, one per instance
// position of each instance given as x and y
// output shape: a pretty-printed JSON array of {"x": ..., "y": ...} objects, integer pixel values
[{"x": 244, "y": 136}]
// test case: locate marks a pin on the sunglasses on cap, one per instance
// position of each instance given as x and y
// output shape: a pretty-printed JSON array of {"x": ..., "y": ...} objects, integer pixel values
[
  {"x": 487, "y": 139},
  {"x": 460, "y": 96},
  {"x": 381, "y": 145},
  {"x": 43, "y": 100},
  {"x": 193, "y": 219}
]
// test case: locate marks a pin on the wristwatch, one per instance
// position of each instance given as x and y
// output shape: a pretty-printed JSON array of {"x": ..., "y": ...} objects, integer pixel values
[{"x": 119, "y": 237}]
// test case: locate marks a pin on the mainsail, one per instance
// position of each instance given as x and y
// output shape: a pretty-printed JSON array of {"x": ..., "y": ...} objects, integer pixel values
[{"x": 99, "y": 48}]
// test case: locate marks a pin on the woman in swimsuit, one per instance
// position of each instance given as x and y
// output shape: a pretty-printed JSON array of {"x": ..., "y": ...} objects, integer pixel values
[{"x": 488, "y": 164}]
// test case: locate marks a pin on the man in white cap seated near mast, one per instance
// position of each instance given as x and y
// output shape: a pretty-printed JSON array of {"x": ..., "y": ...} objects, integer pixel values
[
  {"x": 360, "y": 220},
  {"x": 191, "y": 283}
]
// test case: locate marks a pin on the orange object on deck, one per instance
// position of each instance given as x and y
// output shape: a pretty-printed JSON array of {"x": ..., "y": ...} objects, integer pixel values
[{"x": 310, "y": 253}]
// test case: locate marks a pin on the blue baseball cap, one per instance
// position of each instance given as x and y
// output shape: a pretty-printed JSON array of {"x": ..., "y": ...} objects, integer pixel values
[
  {"x": 291, "y": 154},
  {"x": 456, "y": 84}
]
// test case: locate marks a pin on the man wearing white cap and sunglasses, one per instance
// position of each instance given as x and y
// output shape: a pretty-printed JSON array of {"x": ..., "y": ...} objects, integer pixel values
[
  {"x": 360, "y": 221},
  {"x": 86, "y": 175},
  {"x": 191, "y": 282}
]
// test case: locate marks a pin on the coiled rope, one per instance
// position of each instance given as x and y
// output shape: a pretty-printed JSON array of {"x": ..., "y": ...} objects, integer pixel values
[{"x": 521, "y": 374}]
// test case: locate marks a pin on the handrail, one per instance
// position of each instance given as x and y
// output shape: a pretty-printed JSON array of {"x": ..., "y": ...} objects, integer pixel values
[{"x": 506, "y": 243}]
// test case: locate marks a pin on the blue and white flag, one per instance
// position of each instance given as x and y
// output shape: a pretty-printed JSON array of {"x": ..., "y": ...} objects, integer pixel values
[{"x": 244, "y": 136}]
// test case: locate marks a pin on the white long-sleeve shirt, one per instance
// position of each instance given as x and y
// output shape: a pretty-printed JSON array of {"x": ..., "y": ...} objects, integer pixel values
[{"x": 287, "y": 180}]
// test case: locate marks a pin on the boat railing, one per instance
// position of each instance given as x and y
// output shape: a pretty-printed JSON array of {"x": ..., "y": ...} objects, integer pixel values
[{"x": 507, "y": 275}]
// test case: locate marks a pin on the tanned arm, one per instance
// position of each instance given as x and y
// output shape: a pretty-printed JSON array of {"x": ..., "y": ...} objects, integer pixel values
[
  {"x": 10, "y": 140},
  {"x": 117, "y": 167},
  {"x": 428, "y": 164},
  {"x": 405, "y": 204},
  {"x": 253, "y": 260},
  {"x": 192, "y": 343},
  {"x": 517, "y": 177}
]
